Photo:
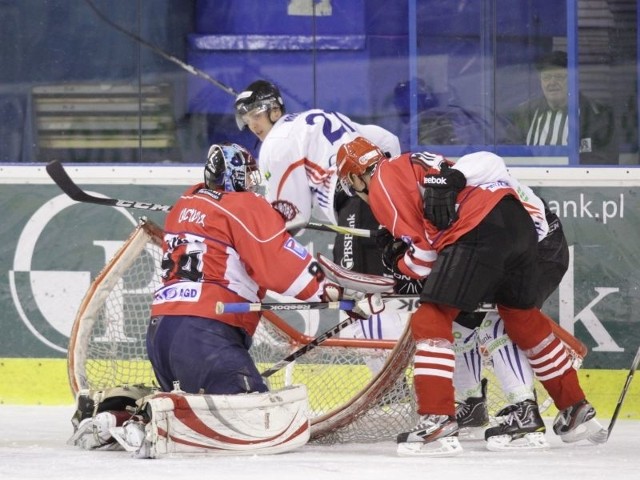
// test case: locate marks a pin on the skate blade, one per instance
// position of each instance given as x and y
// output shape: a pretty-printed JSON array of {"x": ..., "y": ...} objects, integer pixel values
[
  {"x": 590, "y": 430},
  {"x": 471, "y": 433},
  {"x": 529, "y": 442},
  {"x": 442, "y": 447}
]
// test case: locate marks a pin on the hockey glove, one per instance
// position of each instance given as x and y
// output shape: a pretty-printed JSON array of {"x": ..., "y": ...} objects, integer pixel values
[
  {"x": 440, "y": 194},
  {"x": 393, "y": 252},
  {"x": 366, "y": 304},
  {"x": 383, "y": 237}
]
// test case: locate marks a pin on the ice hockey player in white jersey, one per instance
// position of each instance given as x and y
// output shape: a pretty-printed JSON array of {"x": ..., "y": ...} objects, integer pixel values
[
  {"x": 297, "y": 157},
  {"x": 298, "y": 151}
]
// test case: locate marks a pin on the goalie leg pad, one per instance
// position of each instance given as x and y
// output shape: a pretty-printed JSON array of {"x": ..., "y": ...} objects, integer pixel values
[{"x": 241, "y": 424}]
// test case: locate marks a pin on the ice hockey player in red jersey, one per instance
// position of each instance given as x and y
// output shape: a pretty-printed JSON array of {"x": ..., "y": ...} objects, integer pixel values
[
  {"x": 470, "y": 244},
  {"x": 222, "y": 242}
]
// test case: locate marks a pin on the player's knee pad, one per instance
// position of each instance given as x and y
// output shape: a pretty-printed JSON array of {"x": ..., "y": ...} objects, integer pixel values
[
  {"x": 526, "y": 328},
  {"x": 459, "y": 278},
  {"x": 433, "y": 321}
]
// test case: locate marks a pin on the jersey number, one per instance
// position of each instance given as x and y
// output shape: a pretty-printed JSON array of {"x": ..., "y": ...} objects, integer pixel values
[{"x": 332, "y": 136}]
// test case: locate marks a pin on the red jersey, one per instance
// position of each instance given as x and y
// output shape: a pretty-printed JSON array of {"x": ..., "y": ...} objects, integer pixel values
[
  {"x": 395, "y": 196},
  {"x": 229, "y": 247}
]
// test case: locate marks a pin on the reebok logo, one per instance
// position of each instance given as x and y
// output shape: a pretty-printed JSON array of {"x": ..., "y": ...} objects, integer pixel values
[{"x": 435, "y": 181}]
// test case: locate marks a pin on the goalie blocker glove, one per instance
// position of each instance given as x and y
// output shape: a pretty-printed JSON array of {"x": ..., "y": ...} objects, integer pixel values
[{"x": 440, "y": 194}]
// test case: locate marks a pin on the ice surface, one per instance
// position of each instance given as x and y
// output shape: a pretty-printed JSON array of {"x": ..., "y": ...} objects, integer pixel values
[{"x": 33, "y": 446}]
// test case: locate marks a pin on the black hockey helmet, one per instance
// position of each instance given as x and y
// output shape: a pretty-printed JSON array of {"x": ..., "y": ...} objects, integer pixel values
[
  {"x": 260, "y": 96},
  {"x": 231, "y": 167}
]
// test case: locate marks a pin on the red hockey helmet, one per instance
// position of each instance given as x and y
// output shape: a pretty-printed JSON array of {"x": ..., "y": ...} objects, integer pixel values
[{"x": 356, "y": 157}]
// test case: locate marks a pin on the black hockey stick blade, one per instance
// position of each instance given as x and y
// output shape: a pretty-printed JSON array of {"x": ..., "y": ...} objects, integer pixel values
[{"x": 58, "y": 174}]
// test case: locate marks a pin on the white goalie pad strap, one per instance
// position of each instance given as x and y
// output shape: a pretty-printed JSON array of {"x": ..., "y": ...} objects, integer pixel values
[
  {"x": 254, "y": 423},
  {"x": 360, "y": 282}
]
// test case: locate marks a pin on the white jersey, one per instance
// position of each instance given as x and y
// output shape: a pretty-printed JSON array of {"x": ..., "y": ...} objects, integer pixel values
[
  {"x": 298, "y": 160},
  {"x": 485, "y": 168}
]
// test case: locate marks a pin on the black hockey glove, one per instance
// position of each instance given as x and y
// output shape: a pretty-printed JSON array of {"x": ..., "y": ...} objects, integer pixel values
[
  {"x": 383, "y": 237},
  {"x": 441, "y": 191},
  {"x": 392, "y": 249}
]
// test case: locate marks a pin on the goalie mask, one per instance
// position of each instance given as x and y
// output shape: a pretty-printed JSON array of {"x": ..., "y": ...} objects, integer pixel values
[
  {"x": 356, "y": 158},
  {"x": 261, "y": 96},
  {"x": 232, "y": 168}
]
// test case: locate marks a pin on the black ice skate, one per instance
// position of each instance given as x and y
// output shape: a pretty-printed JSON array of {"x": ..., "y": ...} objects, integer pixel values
[
  {"x": 521, "y": 428},
  {"x": 472, "y": 415},
  {"x": 435, "y": 435},
  {"x": 577, "y": 423}
]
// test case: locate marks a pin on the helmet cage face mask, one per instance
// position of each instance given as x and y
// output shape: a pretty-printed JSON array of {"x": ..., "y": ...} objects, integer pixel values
[{"x": 232, "y": 168}]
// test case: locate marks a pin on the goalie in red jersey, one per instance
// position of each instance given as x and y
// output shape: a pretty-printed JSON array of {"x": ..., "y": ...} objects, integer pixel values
[
  {"x": 222, "y": 243},
  {"x": 469, "y": 244}
]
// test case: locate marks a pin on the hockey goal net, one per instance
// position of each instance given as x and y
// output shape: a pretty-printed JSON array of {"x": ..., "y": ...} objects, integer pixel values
[{"x": 348, "y": 399}]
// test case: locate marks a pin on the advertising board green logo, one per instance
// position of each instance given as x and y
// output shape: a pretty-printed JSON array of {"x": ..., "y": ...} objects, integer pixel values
[{"x": 57, "y": 253}]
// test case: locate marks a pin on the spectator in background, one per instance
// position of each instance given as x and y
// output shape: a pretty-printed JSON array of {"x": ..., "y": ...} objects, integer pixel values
[{"x": 544, "y": 120}]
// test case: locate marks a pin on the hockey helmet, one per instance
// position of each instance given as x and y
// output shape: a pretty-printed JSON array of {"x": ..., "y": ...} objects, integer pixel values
[
  {"x": 231, "y": 167},
  {"x": 260, "y": 96},
  {"x": 356, "y": 157}
]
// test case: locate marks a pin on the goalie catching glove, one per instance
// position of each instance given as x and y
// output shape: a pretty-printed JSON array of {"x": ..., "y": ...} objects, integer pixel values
[
  {"x": 365, "y": 290},
  {"x": 440, "y": 194}
]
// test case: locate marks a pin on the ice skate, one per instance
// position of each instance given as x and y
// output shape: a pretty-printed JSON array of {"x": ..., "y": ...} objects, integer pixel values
[
  {"x": 93, "y": 433},
  {"x": 577, "y": 423},
  {"x": 521, "y": 428},
  {"x": 472, "y": 415},
  {"x": 132, "y": 436},
  {"x": 434, "y": 436}
]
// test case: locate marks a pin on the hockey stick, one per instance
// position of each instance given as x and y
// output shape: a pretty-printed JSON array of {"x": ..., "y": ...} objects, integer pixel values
[
  {"x": 246, "y": 307},
  {"x": 623, "y": 393},
  {"x": 356, "y": 232},
  {"x": 189, "y": 68},
  {"x": 309, "y": 346},
  {"x": 59, "y": 175}
]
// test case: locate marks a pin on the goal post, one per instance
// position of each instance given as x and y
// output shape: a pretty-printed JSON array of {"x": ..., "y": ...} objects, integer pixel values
[{"x": 107, "y": 343}]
